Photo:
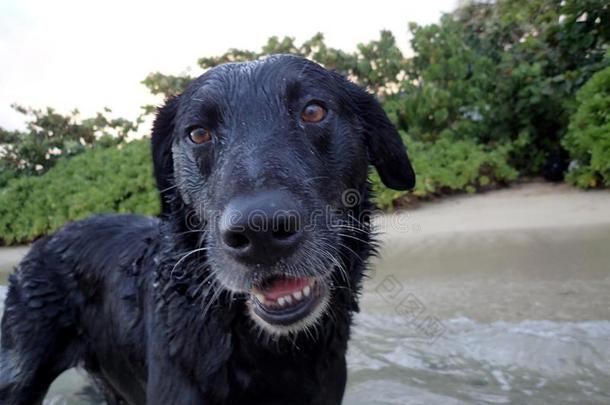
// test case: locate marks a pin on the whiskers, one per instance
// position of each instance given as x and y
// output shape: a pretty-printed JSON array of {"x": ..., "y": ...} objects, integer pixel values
[
  {"x": 216, "y": 289},
  {"x": 185, "y": 256}
]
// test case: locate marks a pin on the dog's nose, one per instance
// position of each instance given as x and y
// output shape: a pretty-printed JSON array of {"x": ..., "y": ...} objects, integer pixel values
[{"x": 261, "y": 229}]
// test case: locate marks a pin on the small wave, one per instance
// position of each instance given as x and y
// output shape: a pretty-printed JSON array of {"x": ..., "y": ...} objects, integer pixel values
[{"x": 496, "y": 362}]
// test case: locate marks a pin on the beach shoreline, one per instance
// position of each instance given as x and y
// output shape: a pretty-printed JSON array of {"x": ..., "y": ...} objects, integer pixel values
[{"x": 526, "y": 206}]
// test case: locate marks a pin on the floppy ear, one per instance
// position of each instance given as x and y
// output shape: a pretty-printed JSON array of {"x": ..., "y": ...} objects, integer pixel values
[
  {"x": 163, "y": 162},
  {"x": 387, "y": 152}
]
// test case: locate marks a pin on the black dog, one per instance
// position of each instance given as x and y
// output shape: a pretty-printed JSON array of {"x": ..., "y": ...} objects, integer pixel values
[{"x": 243, "y": 291}]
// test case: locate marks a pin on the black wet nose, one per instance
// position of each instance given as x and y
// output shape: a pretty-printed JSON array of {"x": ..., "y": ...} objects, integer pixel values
[{"x": 262, "y": 228}]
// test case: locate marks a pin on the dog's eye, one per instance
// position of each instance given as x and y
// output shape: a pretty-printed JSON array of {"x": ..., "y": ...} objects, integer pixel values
[
  {"x": 200, "y": 135},
  {"x": 313, "y": 112}
]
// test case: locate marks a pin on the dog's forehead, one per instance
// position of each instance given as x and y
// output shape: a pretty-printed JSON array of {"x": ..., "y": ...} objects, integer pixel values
[
  {"x": 272, "y": 64},
  {"x": 274, "y": 72}
]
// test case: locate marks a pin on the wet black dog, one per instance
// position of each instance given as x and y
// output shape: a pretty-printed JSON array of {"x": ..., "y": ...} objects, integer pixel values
[{"x": 243, "y": 291}]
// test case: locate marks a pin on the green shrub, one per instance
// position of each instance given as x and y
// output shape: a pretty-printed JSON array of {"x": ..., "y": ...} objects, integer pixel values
[
  {"x": 6, "y": 174},
  {"x": 50, "y": 137},
  {"x": 101, "y": 180},
  {"x": 449, "y": 166},
  {"x": 120, "y": 180},
  {"x": 503, "y": 72},
  {"x": 588, "y": 137}
]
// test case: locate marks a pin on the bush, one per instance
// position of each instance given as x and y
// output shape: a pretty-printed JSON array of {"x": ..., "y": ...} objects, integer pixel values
[
  {"x": 588, "y": 137},
  {"x": 51, "y": 136},
  {"x": 449, "y": 166},
  {"x": 7, "y": 173},
  {"x": 101, "y": 180},
  {"x": 503, "y": 72},
  {"x": 120, "y": 180}
]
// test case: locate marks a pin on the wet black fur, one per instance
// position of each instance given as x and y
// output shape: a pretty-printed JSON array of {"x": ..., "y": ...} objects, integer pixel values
[{"x": 106, "y": 294}]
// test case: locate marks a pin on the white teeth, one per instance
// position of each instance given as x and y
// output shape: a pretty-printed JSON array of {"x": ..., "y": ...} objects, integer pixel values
[{"x": 286, "y": 299}]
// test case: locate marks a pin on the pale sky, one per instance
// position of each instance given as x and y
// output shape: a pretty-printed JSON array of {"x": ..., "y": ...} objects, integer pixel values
[{"x": 91, "y": 54}]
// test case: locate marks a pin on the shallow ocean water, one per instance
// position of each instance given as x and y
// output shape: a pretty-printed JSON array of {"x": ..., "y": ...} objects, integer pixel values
[{"x": 533, "y": 362}]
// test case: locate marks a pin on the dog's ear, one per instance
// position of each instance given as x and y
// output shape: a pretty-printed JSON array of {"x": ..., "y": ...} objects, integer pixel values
[
  {"x": 163, "y": 162},
  {"x": 386, "y": 150}
]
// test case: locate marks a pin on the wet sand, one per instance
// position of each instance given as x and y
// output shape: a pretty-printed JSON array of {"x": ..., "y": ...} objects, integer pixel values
[
  {"x": 535, "y": 251},
  {"x": 521, "y": 207}
]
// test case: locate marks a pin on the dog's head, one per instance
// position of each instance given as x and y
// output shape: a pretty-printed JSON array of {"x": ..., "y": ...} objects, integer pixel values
[{"x": 272, "y": 157}]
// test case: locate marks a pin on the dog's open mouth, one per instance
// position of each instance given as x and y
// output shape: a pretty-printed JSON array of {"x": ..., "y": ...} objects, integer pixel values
[{"x": 283, "y": 301}]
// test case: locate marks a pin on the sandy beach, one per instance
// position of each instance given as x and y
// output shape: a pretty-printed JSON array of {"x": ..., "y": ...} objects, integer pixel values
[
  {"x": 533, "y": 251},
  {"x": 525, "y": 206}
]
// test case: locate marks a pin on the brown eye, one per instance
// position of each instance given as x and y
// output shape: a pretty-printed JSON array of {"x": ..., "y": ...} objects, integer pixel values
[
  {"x": 200, "y": 135},
  {"x": 313, "y": 112}
]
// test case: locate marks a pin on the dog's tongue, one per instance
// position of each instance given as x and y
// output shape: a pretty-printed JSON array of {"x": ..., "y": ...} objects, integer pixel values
[{"x": 284, "y": 286}]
